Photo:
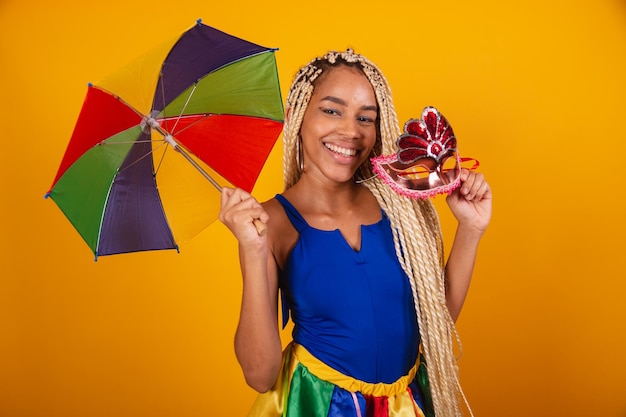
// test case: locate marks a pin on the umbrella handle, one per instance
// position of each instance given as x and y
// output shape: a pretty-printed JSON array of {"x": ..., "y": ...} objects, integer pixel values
[{"x": 261, "y": 227}]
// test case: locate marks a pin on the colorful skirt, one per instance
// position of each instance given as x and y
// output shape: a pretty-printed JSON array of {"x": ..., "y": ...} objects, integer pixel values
[{"x": 307, "y": 387}]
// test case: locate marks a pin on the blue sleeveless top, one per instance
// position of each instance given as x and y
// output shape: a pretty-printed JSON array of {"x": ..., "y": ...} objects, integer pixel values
[{"x": 353, "y": 310}]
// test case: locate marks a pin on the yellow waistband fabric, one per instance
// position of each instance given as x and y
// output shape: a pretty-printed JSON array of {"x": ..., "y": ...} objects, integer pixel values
[{"x": 325, "y": 372}]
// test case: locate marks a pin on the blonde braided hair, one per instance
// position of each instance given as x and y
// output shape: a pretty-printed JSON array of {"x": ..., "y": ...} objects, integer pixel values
[{"x": 416, "y": 229}]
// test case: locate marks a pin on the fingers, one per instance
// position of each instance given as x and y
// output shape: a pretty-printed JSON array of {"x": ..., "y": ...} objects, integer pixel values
[
  {"x": 473, "y": 185},
  {"x": 225, "y": 195},
  {"x": 232, "y": 197},
  {"x": 239, "y": 208}
]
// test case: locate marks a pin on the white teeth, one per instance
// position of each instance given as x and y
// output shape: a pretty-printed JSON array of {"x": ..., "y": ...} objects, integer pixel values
[{"x": 340, "y": 150}]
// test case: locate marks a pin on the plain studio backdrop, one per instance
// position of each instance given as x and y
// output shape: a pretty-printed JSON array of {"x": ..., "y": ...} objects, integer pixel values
[{"x": 534, "y": 90}]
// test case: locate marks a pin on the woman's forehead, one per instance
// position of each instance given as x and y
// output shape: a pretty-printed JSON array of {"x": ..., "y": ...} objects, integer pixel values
[{"x": 343, "y": 79}]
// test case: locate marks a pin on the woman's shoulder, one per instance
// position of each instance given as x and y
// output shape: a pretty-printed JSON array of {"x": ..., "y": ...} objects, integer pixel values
[
  {"x": 278, "y": 216},
  {"x": 272, "y": 206},
  {"x": 281, "y": 233}
]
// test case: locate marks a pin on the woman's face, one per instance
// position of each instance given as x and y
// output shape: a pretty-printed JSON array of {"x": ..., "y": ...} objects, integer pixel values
[{"x": 339, "y": 126}]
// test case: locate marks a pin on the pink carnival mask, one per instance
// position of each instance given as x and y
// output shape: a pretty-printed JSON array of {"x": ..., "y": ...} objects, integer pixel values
[{"x": 427, "y": 162}]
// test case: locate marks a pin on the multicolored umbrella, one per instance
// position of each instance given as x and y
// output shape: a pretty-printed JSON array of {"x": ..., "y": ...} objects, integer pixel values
[{"x": 210, "y": 96}]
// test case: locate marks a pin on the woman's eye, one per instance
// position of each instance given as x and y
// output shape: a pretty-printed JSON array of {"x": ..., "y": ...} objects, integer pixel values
[
  {"x": 365, "y": 119},
  {"x": 330, "y": 111}
]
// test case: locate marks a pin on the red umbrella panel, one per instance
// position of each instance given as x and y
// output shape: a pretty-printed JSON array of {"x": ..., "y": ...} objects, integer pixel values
[{"x": 214, "y": 98}]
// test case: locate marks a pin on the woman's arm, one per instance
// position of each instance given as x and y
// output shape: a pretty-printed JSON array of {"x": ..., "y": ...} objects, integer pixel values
[
  {"x": 257, "y": 339},
  {"x": 471, "y": 206}
]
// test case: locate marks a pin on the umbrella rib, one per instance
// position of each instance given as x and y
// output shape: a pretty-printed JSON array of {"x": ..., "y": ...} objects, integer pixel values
[
  {"x": 126, "y": 142},
  {"x": 146, "y": 155},
  {"x": 193, "y": 90},
  {"x": 204, "y": 116},
  {"x": 158, "y": 167}
]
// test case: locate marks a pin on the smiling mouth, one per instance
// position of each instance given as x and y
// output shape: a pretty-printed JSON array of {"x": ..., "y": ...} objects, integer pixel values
[{"x": 341, "y": 151}]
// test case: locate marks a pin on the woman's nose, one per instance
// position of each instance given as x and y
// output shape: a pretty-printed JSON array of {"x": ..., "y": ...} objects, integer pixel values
[{"x": 349, "y": 127}]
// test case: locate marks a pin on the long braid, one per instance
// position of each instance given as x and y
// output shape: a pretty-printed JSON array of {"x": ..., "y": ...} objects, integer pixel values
[{"x": 416, "y": 229}]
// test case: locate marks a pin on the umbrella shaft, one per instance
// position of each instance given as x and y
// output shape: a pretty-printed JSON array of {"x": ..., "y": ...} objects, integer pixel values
[
  {"x": 258, "y": 224},
  {"x": 198, "y": 167},
  {"x": 169, "y": 139}
]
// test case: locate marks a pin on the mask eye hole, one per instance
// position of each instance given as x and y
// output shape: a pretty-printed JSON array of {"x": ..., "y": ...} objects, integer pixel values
[
  {"x": 449, "y": 169},
  {"x": 417, "y": 170}
]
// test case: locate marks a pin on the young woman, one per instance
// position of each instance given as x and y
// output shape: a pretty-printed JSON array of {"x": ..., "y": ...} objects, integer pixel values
[{"x": 360, "y": 268}]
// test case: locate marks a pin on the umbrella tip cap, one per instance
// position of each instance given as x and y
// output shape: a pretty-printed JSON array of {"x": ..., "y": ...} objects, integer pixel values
[
  {"x": 89, "y": 85},
  {"x": 47, "y": 195},
  {"x": 199, "y": 21}
]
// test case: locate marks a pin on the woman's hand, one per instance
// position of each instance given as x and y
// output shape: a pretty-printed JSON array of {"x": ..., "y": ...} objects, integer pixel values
[
  {"x": 239, "y": 210},
  {"x": 471, "y": 202}
]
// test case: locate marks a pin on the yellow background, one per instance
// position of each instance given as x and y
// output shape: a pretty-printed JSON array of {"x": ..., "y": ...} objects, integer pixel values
[{"x": 534, "y": 89}]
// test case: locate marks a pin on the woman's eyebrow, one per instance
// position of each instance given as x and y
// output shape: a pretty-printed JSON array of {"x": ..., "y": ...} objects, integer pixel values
[
  {"x": 342, "y": 102},
  {"x": 334, "y": 99}
]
